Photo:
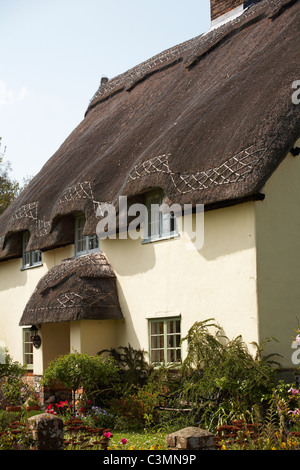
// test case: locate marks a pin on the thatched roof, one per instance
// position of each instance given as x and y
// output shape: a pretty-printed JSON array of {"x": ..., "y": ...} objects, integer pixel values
[
  {"x": 76, "y": 289},
  {"x": 208, "y": 121}
]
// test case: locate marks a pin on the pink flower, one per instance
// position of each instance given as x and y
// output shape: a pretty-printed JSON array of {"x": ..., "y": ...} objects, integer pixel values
[
  {"x": 124, "y": 441},
  {"x": 295, "y": 412},
  {"x": 107, "y": 434},
  {"x": 294, "y": 391}
]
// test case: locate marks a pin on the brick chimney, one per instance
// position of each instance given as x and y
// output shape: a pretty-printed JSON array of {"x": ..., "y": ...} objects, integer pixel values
[
  {"x": 219, "y": 8},
  {"x": 222, "y": 10}
]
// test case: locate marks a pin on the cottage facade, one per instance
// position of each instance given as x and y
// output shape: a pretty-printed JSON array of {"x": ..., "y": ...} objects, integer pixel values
[{"x": 208, "y": 124}]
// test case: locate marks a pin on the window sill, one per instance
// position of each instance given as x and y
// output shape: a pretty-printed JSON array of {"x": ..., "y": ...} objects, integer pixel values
[
  {"x": 171, "y": 236},
  {"x": 173, "y": 365},
  {"x": 24, "y": 268},
  {"x": 88, "y": 252}
]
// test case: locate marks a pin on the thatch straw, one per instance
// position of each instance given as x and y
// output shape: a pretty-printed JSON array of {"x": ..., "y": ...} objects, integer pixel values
[
  {"x": 76, "y": 289},
  {"x": 208, "y": 121}
]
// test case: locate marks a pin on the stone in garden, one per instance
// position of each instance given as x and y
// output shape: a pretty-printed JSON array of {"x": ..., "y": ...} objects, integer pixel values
[
  {"x": 191, "y": 438},
  {"x": 47, "y": 432}
]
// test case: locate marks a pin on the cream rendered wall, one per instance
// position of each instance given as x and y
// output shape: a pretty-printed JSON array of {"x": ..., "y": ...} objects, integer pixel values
[
  {"x": 91, "y": 336},
  {"x": 278, "y": 258},
  {"x": 16, "y": 287},
  {"x": 164, "y": 278},
  {"x": 55, "y": 342},
  {"x": 154, "y": 280}
]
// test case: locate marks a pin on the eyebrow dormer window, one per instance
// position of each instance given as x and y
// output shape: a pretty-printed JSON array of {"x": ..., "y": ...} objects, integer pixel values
[
  {"x": 30, "y": 258},
  {"x": 160, "y": 226},
  {"x": 84, "y": 244}
]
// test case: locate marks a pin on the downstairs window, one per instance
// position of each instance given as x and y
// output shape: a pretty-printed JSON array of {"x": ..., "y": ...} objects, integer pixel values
[
  {"x": 27, "y": 349},
  {"x": 165, "y": 340}
]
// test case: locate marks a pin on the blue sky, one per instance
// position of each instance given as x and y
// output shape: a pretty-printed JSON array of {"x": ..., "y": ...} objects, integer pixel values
[{"x": 54, "y": 53}]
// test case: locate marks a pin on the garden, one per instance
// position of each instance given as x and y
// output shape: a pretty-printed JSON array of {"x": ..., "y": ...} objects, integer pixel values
[{"x": 117, "y": 401}]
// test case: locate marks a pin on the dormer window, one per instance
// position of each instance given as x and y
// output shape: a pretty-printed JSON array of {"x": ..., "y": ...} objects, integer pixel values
[
  {"x": 84, "y": 244},
  {"x": 30, "y": 258},
  {"x": 158, "y": 225}
]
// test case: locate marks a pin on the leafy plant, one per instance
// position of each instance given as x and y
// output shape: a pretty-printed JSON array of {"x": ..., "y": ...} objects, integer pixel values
[
  {"x": 10, "y": 368},
  {"x": 16, "y": 392},
  {"x": 132, "y": 363},
  {"x": 13, "y": 390},
  {"x": 7, "y": 417},
  {"x": 16, "y": 436},
  {"x": 218, "y": 371},
  {"x": 9, "y": 189},
  {"x": 95, "y": 374}
]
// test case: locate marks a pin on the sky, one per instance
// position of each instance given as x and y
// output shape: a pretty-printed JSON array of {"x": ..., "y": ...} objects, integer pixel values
[{"x": 53, "y": 54}]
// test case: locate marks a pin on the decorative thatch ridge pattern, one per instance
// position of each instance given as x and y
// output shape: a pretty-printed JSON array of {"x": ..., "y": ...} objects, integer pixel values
[
  {"x": 80, "y": 190},
  {"x": 78, "y": 288},
  {"x": 235, "y": 169},
  {"x": 208, "y": 121}
]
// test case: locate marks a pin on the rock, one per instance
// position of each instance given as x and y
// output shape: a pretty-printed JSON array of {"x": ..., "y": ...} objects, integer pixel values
[
  {"x": 191, "y": 438},
  {"x": 47, "y": 432}
]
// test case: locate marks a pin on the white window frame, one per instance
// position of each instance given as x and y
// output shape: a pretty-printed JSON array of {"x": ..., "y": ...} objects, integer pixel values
[
  {"x": 164, "y": 344},
  {"x": 27, "y": 348},
  {"x": 159, "y": 226},
  {"x": 30, "y": 259},
  {"x": 83, "y": 243}
]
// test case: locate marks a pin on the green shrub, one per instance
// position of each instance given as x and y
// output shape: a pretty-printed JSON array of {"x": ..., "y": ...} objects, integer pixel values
[
  {"x": 10, "y": 368},
  {"x": 96, "y": 375},
  {"x": 16, "y": 392},
  {"x": 13, "y": 390}
]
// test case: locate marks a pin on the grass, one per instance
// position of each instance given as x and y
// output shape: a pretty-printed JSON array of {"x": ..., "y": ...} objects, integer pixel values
[{"x": 138, "y": 441}]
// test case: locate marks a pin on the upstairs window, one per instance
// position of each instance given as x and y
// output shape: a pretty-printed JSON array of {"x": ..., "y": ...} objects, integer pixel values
[
  {"x": 84, "y": 244},
  {"x": 30, "y": 258},
  {"x": 159, "y": 225}
]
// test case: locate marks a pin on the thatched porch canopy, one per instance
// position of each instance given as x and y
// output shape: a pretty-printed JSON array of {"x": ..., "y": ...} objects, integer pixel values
[
  {"x": 82, "y": 288},
  {"x": 208, "y": 121}
]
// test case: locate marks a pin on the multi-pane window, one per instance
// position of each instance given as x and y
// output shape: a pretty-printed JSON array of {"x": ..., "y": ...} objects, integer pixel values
[
  {"x": 159, "y": 225},
  {"x": 27, "y": 348},
  {"x": 30, "y": 258},
  {"x": 165, "y": 338},
  {"x": 84, "y": 244}
]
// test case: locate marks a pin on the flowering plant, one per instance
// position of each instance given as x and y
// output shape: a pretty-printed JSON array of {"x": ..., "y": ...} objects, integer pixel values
[
  {"x": 15, "y": 391},
  {"x": 51, "y": 410},
  {"x": 287, "y": 398}
]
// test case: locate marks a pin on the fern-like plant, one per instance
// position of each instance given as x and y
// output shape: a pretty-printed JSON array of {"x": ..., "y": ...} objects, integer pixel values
[{"x": 223, "y": 371}]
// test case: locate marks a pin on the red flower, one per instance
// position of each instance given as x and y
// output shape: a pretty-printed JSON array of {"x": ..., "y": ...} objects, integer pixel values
[{"x": 61, "y": 404}]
